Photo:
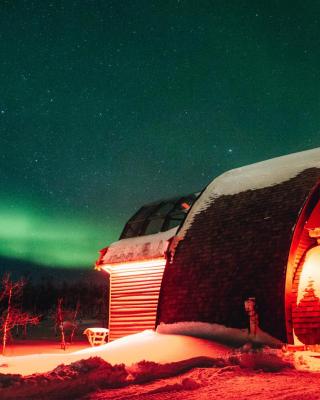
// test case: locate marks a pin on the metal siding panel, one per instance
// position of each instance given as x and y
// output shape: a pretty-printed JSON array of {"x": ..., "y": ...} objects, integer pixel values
[{"x": 134, "y": 294}]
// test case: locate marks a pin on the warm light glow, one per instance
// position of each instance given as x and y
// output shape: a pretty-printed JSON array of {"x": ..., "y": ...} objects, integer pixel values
[
  {"x": 134, "y": 294},
  {"x": 310, "y": 272},
  {"x": 131, "y": 265}
]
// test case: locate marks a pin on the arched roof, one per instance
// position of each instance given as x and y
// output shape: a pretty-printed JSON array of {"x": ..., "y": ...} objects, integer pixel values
[
  {"x": 253, "y": 177},
  {"x": 235, "y": 244}
]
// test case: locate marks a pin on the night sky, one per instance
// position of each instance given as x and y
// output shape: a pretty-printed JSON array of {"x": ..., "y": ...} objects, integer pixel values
[{"x": 107, "y": 105}]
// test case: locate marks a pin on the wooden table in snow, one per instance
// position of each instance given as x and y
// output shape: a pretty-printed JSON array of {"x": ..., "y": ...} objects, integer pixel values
[{"x": 96, "y": 336}]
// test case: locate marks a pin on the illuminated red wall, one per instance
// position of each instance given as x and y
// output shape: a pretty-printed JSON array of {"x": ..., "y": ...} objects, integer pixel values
[{"x": 134, "y": 293}]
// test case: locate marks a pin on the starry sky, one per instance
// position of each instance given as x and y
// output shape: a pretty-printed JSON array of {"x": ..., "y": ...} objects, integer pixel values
[{"x": 106, "y": 105}]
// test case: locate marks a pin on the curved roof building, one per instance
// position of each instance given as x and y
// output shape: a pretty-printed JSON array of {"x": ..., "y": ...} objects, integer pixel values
[
  {"x": 249, "y": 235},
  {"x": 251, "y": 239}
]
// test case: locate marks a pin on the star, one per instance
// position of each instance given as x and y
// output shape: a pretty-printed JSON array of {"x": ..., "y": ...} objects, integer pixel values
[{"x": 128, "y": 105}]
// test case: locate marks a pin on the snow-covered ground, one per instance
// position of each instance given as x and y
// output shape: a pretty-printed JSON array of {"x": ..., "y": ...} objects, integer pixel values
[
  {"x": 228, "y": 383},
  {"x": 176, "y": 366},
  {"x": 171, "y": 343},
  {"x": 147, "y": 345},
  {"x": 219, "y": 333}
]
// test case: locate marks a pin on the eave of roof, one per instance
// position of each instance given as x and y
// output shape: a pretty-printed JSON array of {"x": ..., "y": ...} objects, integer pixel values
[{"x": 138, "y": 248}]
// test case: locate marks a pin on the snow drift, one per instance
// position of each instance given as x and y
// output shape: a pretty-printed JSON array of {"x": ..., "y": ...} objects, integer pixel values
[
  {"x": 147, "y": 345},
  {"x": 219, "y": 333},
  {"x": 137, "y": 359},
  {"x": 81, "y": 377}
]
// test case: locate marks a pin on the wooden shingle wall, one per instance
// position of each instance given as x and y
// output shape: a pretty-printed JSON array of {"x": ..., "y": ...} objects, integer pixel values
[{"x": 237, "y": 248}]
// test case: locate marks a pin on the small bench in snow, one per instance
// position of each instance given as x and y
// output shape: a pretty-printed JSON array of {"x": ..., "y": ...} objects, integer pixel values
[{"x": 96, "y": 336}]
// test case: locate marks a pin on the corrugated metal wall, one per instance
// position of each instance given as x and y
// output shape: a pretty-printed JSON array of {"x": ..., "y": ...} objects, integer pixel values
[{"x": 134, "y": 294}]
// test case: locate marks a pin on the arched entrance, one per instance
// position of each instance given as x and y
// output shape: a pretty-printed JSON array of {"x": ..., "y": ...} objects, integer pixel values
[
  {"x": 303, "y": 276},
  {"x": 306, "y": 311}
]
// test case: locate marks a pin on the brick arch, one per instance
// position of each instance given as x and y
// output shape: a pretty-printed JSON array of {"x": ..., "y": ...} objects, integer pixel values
[
  {"x": 306, "y": 311},
  {"x": 301, "y": 243}
]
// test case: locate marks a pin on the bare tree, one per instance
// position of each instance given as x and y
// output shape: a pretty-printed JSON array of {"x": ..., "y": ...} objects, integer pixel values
[
  {"x": 11, "y": 315},
  {"x": 66, "y": 322},
  {"x": 74, "y": 321},
  {"x": 60, "y": 323}
]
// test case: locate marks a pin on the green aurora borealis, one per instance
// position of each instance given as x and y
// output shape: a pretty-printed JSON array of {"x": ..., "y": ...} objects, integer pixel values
[
  {"x": 107, "y": 105},
  {"x": 50, "y": 240}
]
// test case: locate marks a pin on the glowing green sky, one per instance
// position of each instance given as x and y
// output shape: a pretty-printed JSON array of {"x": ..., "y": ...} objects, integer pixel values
[
  {"x": 27, "y": 233},
  {"x": 106, "y": 105}
]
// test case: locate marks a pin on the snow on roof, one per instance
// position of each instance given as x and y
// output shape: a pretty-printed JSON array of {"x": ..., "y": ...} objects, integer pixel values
[
  {"x": 139, "y": 248},
  {"x": 251, "y": 177}
]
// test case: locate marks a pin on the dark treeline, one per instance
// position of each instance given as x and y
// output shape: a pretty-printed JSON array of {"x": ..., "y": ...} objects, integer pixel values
[
  {"x": 44, "y": 286},
  {"x": 41, "y": 298}
]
